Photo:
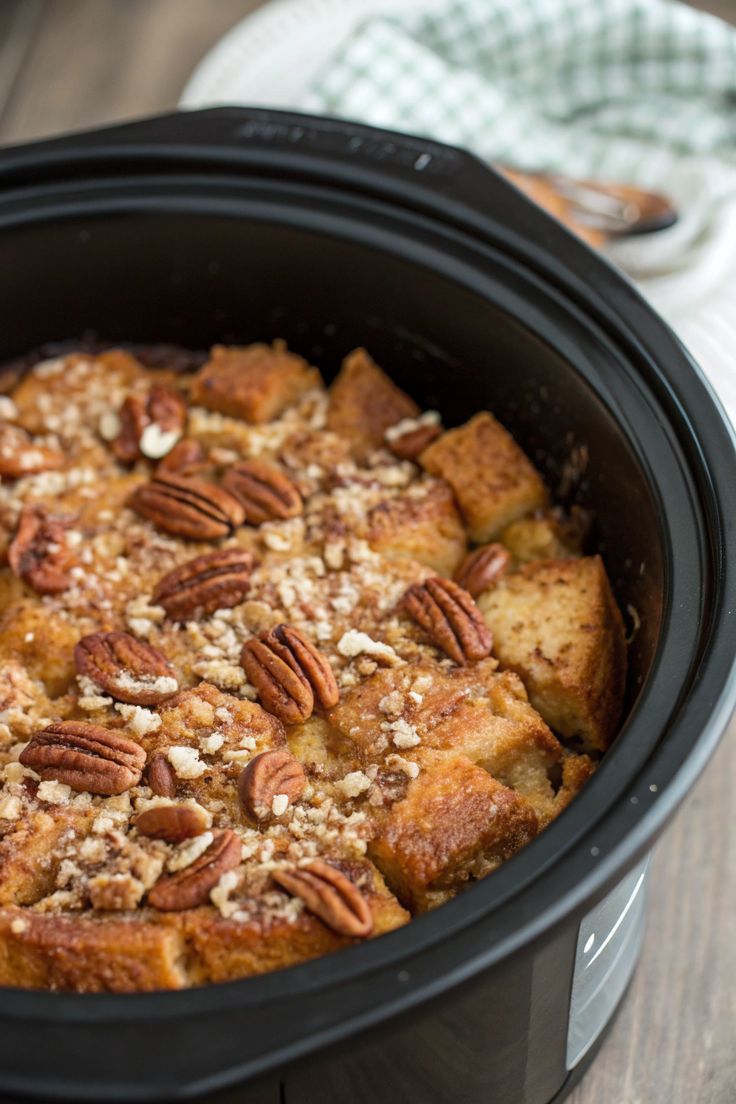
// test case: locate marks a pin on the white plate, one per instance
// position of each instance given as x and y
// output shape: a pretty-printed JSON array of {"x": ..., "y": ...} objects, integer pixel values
[{"x": 271, "y": 57}]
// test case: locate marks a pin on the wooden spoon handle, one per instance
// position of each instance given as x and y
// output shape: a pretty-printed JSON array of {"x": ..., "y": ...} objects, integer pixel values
[{"x": 596, "y": 210}]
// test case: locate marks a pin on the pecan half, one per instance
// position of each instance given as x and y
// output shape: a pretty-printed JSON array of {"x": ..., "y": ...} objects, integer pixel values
[
  {"x": 128, "y": 669},
  {"x": 150, "y": 425},
  {"x": 172, "y": 823},
  {"x": 86, "y": 757},
  {"x": 19, "y": 455},
  {"x": 267, "y": 776},
  {"x": 330, "y": 895},
  {"x": 451, "y": 618},
  {"x": 160, "y": 776},
  {"x": 186, "y": 458},
  {"x": 263, "y": 490},
  {"x": 482, "y": 567},
  {"x": 289, "y": 674},
  {"x": 410, "y": 444},
  {"x": 191, "y": 886},
  {"x": 39, "y": 553},
  {"x": 217, "y": 580},
  {"x": 188, "y": 508}
]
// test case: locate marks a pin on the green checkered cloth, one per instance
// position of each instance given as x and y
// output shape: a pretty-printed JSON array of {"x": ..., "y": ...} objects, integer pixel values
[
  {"x": 637, "y": 91},
  {"x": 580, "y": 86}
]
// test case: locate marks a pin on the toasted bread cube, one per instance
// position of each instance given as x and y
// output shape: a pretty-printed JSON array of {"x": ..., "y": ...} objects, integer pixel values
[
  {"x": 423, "y": 711},
  {"x": 499, "y": 730},
  {"x": 550, "y": 796},
  {"x": 455, "y": 823},
  {"x": 576, "y": 770},
  {"x": 85, "y": 511},
  {"x": 77, "y": 385},
  {"x": 127, "y": 951},
  {"x": 422, "y": 524},
  {"x": 254, "y": 382},
  {"x": 208, "y": 737},
  {"x": 556, "y": 623},
  {"x": 314, "y": 448},
  {"x": 223, "y": 949},
  {"x": 545, "y": 535},
  {"x": 28, "y": 851},
  {"x": 24, "y": 705},
  {"x": 37, "y": 636},
  {"x": 73, "y": 952},
  {"x": 493, "y": 480},
  {"x": 364, "y": 402},
  {"x": 320, "y": 749},
  {"x": 194, "y": 714},
  {"x": 409, "y": 702}
]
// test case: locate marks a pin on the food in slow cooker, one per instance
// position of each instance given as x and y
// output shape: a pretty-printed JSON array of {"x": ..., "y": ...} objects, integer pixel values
[{"x": 280, "y": 665}]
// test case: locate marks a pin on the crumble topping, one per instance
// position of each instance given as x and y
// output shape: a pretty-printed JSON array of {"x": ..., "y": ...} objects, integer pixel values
[
  {"x": 160, "y": 684},
  {"x": 10, "y": 807},
  {"x": 211, "y": 744},
  {"x": 186, "y": 762},
  {"x": 366, "y": 729},
  {"x": 399, "y": 763},
  {"x": 280, "y": 804},
  {"x": 353, "y": 643},
  {"x": 354, "y": 784},
  {"x": 56, "y": 793},
  {"x": 140, "y": 721},
  {"x": 403, "y": 734},
  {"x": 185, "y": 855},
  {"x": 409, "y": 425}
]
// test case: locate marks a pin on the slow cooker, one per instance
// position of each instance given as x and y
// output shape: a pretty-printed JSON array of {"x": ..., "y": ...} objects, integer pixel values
[{"x": 237, "y": 225}]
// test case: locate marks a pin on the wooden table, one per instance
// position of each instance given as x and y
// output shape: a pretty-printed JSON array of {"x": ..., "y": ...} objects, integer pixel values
[{"x": 76, "y": 63}]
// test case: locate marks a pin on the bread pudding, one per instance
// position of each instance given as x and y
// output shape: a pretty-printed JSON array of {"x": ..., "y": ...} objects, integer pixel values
[{"x": 281, "y": 665}]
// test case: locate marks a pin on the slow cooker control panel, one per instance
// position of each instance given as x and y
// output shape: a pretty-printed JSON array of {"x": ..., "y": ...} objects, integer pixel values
[{"x": 609, "y": 941}]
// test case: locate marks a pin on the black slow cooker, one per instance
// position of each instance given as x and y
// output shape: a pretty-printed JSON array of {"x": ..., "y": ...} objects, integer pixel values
[{"x": 237, "y": 225}]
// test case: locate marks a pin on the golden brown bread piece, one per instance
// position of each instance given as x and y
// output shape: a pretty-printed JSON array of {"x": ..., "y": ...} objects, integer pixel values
[
  {"x": 475, "y": 711},
  {"x": 41, "y": 639},
  {"x": 455, "y": 708},
  {"x": 422, "y": 524},
  {"x": 24, "y": 703},
  {"x": 556, "y": 623},
  {"x": 29, "y": 858},
  {"x": 576, "y": 770},
  {"x": 241, "y": 730},
  {"x": 544, "y": 535},
  {"x": 134, "y": 951},
  {"x": 455, "y": 823},
  {"x": 254, "y": 382},
  {"x": 364, "y": 402},
  {"x": 79, "y": 381},
  {"x": 90, "y": 954},
  {"x": 494, "y": 481},
  {"x": 225, "y": 948},
  {"x": 319, "y": 746}
]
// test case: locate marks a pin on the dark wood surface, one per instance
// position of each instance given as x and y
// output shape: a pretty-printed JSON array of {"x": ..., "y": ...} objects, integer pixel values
[{"x": 71, "y": 63}]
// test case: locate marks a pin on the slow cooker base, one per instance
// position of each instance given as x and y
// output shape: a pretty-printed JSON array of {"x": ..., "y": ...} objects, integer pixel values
[{"x": 576, "y": 1076}]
